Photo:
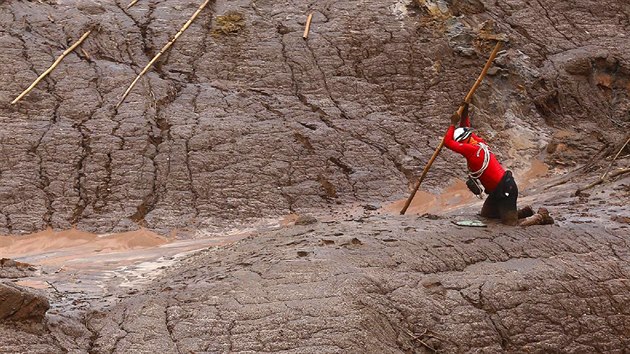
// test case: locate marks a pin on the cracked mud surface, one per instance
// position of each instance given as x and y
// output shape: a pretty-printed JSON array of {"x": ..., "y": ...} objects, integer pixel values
[
  {"x": 368, "y": 281},
  {"x": 241, "y": 124},
  {"x": 260, "y": 123},
  {"x": 363, "y": 287}
]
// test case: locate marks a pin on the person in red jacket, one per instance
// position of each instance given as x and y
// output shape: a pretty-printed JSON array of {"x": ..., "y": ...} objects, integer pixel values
[{"x": 484, "y": 167}]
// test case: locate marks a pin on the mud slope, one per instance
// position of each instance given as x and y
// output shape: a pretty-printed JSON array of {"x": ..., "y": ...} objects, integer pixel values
[
  {"x": 541, "y": 290},
  {"x": 243, "y": 118},
  {"x": 372, "y": 284},
  {"x": 360, "y": 281}
]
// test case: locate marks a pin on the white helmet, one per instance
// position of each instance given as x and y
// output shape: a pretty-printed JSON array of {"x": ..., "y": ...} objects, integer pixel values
[{"x": 462, "y": 133}]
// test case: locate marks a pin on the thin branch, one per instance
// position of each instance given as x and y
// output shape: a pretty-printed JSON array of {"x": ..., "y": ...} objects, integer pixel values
[
  {"x": 162, "y": 51},
  {"x": 307, "y": 28},
  {"x": 601, "y": 179},
  {"x": 414, "y": 337},
  {"x": 53, "y": 286},
  {"x": 52, "y": 67},
  {"x": 615, "y": 158},
  {"x": 619, "y": 172},
  {"x": 132, "y": 3}
]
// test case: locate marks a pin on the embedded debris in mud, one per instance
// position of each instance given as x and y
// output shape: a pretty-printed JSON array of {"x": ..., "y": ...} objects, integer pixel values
[{"x": 230, "y": 23}]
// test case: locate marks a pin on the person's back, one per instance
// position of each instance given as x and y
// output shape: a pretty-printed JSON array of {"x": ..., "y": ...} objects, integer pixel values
[{"x": 482, "y": 163}]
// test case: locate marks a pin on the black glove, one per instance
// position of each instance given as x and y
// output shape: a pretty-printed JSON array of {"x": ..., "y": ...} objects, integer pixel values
[
  {"x": 465, "y": 111},
  {"x": 455, "y": 119}
]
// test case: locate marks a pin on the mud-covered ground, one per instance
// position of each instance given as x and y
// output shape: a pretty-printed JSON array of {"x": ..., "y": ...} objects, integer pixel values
[
  {"x": 359, "y": 280},
  {"x": 245, "y": 196},
  {"x": 242, "y": 118}
]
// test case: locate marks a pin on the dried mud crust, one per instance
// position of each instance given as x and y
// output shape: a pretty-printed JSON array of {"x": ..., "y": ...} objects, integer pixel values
[
  {"x": 363, "y": 280},
  {"x": 246, "y": 119},
  {"x": 250, "y": 120},
  {"x": 387, "y": 284}
]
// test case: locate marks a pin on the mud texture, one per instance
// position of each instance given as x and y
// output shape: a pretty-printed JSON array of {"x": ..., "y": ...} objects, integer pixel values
[
  {"x": 12, "y": 269},
  {"x": 242, "y": 118},
  {"x": 373, "y": 283},
  {"x": 21, "y": 304},
  {"x": 365, "y": 281}
]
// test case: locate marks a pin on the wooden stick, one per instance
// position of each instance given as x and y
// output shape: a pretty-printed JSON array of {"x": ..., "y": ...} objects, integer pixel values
[
  {"x": 163, "y": 50},
  {"x": 613, "y": 160},
  {"x": 459, "y": 111},
  {"x": 620, "y": 172},
  {"x": 53, "y": 286},
  {"x": 418, "y": 338},
  {"x": 132, "y": 3},
  {"x": 52, "y": 67},
  {"x": 307, "y": 28},
  {"x": 86, "y": 54},
  {"x": 601, "y": 180}
]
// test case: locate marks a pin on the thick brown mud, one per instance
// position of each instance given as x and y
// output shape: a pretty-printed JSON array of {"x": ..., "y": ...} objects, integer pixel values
[{"x": 245, "y": 197}]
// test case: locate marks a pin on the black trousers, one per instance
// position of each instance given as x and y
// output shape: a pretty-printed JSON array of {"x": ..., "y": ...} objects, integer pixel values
[{"x": 501, "y": 202}]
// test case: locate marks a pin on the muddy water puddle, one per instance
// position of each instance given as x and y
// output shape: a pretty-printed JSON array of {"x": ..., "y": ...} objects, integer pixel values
[
  {"x": 453, "y": 197},
  {"x": 79, "y": 269}
]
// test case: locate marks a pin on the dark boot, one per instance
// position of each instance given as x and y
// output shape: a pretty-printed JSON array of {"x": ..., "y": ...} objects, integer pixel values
[
  {"x": 547, "y": 219},
  {"x": 525, "y": 212},
  {"x": 542, "y": 217}
]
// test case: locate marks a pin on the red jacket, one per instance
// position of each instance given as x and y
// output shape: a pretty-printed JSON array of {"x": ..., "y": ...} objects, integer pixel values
[{"x": 493, "y": 173}]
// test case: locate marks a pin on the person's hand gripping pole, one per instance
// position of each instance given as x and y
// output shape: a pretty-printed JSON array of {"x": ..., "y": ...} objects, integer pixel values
[{"x": 493, "y": 55}]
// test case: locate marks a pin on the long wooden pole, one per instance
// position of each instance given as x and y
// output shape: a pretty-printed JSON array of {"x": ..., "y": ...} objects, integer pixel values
[
  {"x": 459, "y": 112},
  {"x": 52, "y": 67},
  {"x": 132, "y": 3},
  {"x": 162, "y": 51}
]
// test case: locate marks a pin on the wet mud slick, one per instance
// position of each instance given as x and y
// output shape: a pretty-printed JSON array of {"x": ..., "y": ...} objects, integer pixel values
[{"x": 77, "y": 267}]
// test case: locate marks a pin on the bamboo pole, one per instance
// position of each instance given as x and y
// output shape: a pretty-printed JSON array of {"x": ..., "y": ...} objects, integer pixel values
[
  {"x": 494, "y": 53},
  {"x": 307, "y": 28},
  {"x": 52, "y": 67},
  {"x": 132, "y": 3},
  {"x": 162, "y": 51},
  {"x": 613, "y": 160},
  {"x": 606, "y": 174}
]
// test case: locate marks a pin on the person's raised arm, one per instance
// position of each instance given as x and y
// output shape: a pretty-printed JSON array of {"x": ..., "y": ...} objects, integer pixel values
[
  {"x": 465, "y": 119},
  {"x": 450, "y": 143}
]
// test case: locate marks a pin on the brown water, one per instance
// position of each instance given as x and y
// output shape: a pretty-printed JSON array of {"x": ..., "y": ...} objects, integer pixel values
[
  {"x": 77, "y": 267},
  {"x": 454, "y": 196}
]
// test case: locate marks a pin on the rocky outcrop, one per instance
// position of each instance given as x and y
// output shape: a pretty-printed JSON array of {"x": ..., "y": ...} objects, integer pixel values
[
  {"x": 20, "y": 304},
  {"x": 13, "y": 269}
]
